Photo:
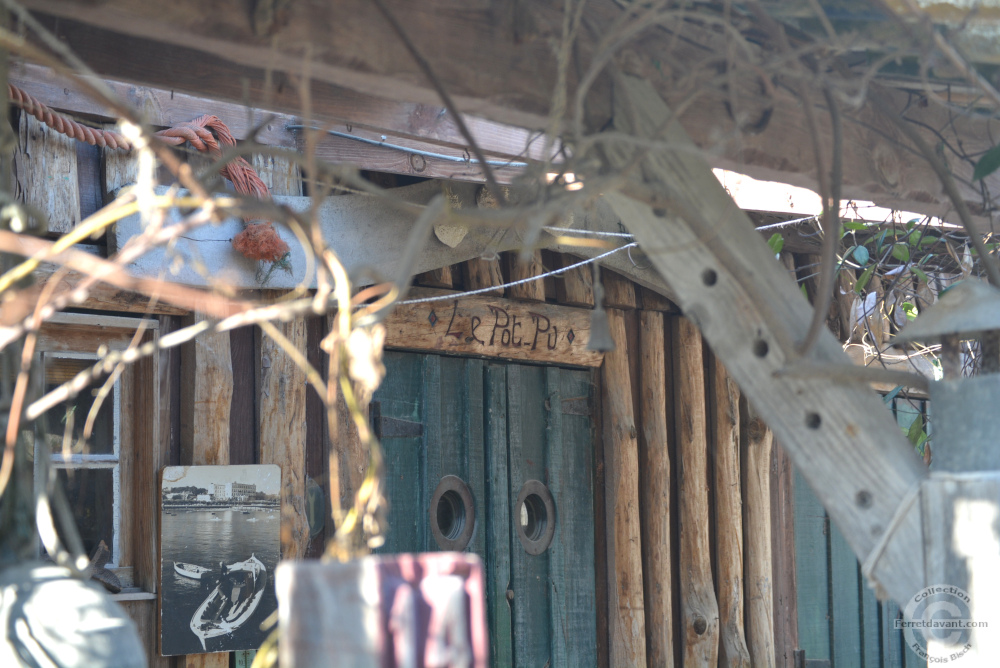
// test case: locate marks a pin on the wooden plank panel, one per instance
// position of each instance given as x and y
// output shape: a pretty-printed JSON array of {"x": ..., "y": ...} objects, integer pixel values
[
  {"x": 317, "y": 433},
  {"x": 100, "y": 297},
  {"x": 120, "y": 168},
  {"x": 619, "y": 292},
  {"x": 401, "y": 396},
  {"x": 724, "y": 399},
  {"x": 571, "y": 556},
  {"x": 756, "y": 450},
  {"x": 845, "y": 603},
  {"x": 45, "y": 174},
  {"x": 786, "y": 628},
  {"x": 474, "y": 444},
  {"x": 146, "y": 458},
  {"x": 893, "y": 647},
  {"x": 498, "y": 529},
  {"x": 143, "y": 613},
  {"x": 492, "y": 327},
  {"x": 206, "y": 372},
  {"x": 655, "y": 506},
  {"x": 436, "y": 278},
  {"x": 243, "y": 436},
  {"x": 870, "y": 629},
  {"x": 626, "y": 609},
  {"x": 698, "y": 607},
  {"x": 439, "y": 442},
  {"x": 282, "y": 419},
  {"x": 532, "y": 291},
  {"x": 654, "y": 301},
  {"x": 527, "y": 438},
  {"x": 811, "y": 572}
]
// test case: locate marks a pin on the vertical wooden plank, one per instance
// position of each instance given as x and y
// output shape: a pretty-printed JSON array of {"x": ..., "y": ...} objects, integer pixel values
[
  {"x": 756, "y": 450},
  {"x": 437, "y": 455},
  {"x": 698, "y": 607},
  {"x": 497, "y": 527},
  {"x": 280, "y": 174},
  {"x": 812, "y": 572},
  {"x": 317, "y": 432},
  {"x": 401, "y": 396},
  {"x": 654, "y": 301},
  {"x": 517, "y": 269},
  {"x": 845, "y": 605},
  {"x": 870, "y": 628},
  {"x": 242, "y": 416},
  {"x": 654, "y": 497},
  {"x": 619, "y": 292},
  {"x": 892, "y": 638},
  {"x": 89, "y": 178},
  {"x": 574, "y": 287},
  {"x": 282, "y": 420},
  {"x": 480, "y": 273},
  {"x": 626, "y": 613},
  {"x": 601, "y": 575},
  {"x": 786, "y": 628},
  {"x": 207, "y": 376},
  {"x": 724, "y": 399},
  {"x": 45, "y": 173},
  {"x": 526, "y": 436},
  {"x": 119, "y": 169},
  {"x": 347, "y": 457},
  {"x": 475, "y": 447},
  {"x": 571, "y": 556},
  {"x": 143, "y": 613},
  {"x": 144, "y": 496}
]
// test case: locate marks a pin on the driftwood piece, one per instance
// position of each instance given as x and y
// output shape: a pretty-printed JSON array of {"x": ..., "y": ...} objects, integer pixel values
[
  {"x": 626, "y": 613},
  {"x": 725, "y": 417},
  {"x": 654, "y": 495},
  {"x": 842, "y": 439},
  {"x": 757, "y": 457},
  {"x": 45, "y": 174},
  {"x": 699, "y": 610}
]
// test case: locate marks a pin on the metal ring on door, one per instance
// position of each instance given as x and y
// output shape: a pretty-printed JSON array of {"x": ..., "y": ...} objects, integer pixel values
[
  {"x": 453, "y": 514},
  {"x": 535, "y": 517}
]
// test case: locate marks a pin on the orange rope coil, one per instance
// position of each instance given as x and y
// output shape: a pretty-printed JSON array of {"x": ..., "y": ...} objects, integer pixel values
[{"x": 259, "y": 241}]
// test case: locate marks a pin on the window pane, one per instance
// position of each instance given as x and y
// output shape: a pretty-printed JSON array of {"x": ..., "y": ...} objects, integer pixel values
[
  {"x": 90, "y": 493},
  {"x": 58, "y": 370}
]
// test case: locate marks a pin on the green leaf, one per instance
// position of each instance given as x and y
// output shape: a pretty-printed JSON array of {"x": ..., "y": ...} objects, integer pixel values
[
  {"x": 776, "y": 242},
  {"x": 861, "y": 255},
  {"x": 901, "y": 253},
  {"x": 915, "y": 237},
  {"x": 879, "y": 239},
  {"x": 929, "y": 241},
  {"x": 910, "y": 310},
  {"x": 805, "y": 293},
  {"x": 859, "y": 287},
  {"x": 854, "y": 225},
  {"x": 987, "y": 164},
  {"x": 910, "y": 224},
  {"x": 920, "y": 274},
  {"x": 915, "y": 430}
]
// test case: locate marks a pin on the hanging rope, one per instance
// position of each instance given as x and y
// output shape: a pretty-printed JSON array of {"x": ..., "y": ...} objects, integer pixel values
[{"x": 207, "y": 134}]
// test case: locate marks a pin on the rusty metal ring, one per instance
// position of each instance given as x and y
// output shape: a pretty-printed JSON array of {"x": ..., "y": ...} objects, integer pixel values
[
  {"x": 453, "y": 514},
  {"x": 535, "y": 517}
]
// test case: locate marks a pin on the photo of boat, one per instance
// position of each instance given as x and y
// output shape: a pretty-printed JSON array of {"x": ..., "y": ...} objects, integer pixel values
[
  {"x": 192, "y": 571},
  {"x": 233, "y": 600}
]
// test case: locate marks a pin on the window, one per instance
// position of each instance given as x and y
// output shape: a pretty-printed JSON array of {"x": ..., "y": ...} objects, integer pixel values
[{"x": 109, "y": 481}]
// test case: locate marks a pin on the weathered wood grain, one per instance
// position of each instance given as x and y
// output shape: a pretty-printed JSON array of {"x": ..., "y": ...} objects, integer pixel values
[
  {"x": 144, "y": 497},
  {"x": 207, "y": 376},
  {"x": 786, "y": 627},
  {"x": 120, "y": 168},
  {"x": 619, "y": 292},
  {"x": 844, "y": 440},
  {"x": 143, "y": 613},
  {"x": 532, "y": 291},
  {"x": 493, "y": 327},
  {"x": 45, "y": 176},
  {"x": 654, "y": 494},
  {"x": 654, "y": 301},
  {"x": 479, "y": 273},
  {"x": 724, "y": 400},
  {"x": 435, "y": 278},
  {"x": 626, "y": 608},
  {"x": 699, "y": 630},
  {"x": 756, "y": 454},
  {"x": 576, "y": 286},
  {"x": 100, "y": 297},
  {"x": 282, "y": 419}
]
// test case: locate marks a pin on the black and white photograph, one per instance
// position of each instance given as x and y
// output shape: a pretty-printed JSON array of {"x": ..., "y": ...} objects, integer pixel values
[{"x": 219, "y": 546}]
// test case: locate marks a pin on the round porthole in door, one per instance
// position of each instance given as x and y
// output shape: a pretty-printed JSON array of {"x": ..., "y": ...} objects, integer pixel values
[
  {"x": 535, "y": 517},
  {"x": 453, "y": 514}
]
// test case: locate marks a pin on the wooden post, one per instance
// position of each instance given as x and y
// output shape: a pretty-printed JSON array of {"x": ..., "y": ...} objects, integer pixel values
[
  {"x": 576, "y": 286},
  {"x": 206, "y": 396},
  {"x": 654, "y": 475},
  {"x": 282, "y": 419},
  {"x": 619, "y": 292},
  {"x": 626, "y": 614},
  {"x": 699, "y": 610},
  {"x": 725, "y": 403},
  {"x": 45, "y": 174},
  {"x": 480, "y": 273},
  {"x": 759, "y": 587}
]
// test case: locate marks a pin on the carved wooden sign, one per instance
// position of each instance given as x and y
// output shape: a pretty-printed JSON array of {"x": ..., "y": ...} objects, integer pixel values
[{"x": 494, "y": 327}]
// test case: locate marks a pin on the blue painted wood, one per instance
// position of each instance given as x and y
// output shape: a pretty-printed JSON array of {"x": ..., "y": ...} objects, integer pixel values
[
  {"x": 498, "y": 527},
  {"x": 812, "y": 572},
  {"x": 871, "y": 628},
  {"x": 892, "y": 638},
  {"x": 845, "y": 601}
]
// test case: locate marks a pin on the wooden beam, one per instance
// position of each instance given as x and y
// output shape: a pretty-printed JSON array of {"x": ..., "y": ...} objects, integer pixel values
[
  {"x": 497, "y": 63},
  {"x": 699, "y": 631},
  {"x": 724, "y": 402},
  {"x": 101, "y": 297},
  {"x": 654, "y": 496},
  {"x": 626, "y": 608},
  {"x": 843, "y": 440},
  {"x": 759, "y": 586},
  {"x": 493, "y": 327}
]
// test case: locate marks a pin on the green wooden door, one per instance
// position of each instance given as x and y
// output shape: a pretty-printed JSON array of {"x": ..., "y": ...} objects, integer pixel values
[{"x": 507, "y": 431}]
